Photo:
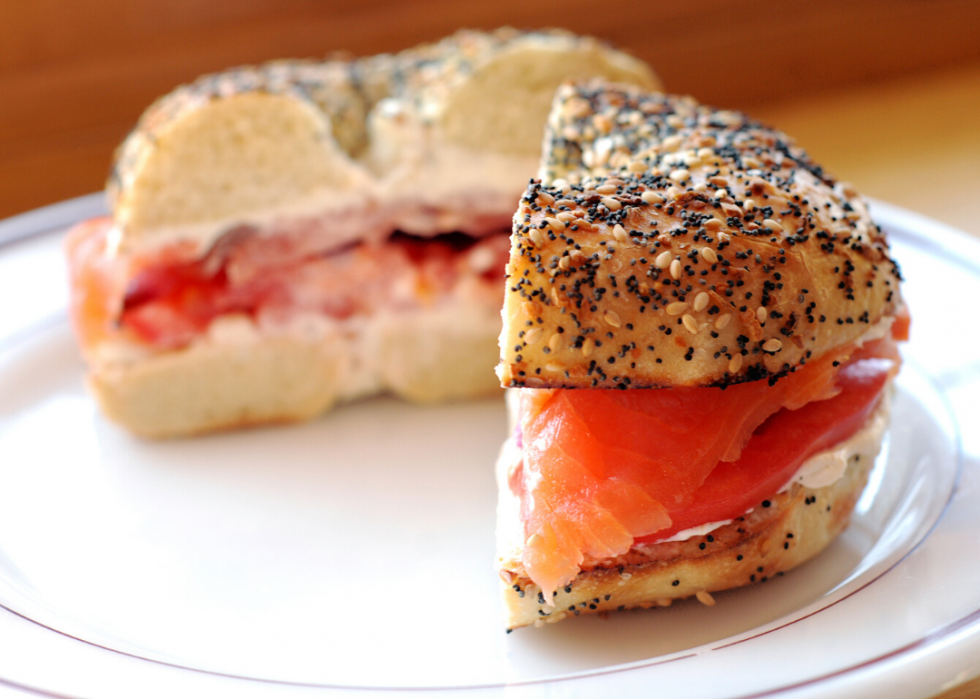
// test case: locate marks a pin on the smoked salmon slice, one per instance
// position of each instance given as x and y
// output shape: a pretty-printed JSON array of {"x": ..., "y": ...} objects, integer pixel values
[
  {"x": 605, "y": 468},
  {"x": 167, "y": 298}
]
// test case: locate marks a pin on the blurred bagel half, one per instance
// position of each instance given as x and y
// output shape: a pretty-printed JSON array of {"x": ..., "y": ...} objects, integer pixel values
[{"x": 290, "y": 235}]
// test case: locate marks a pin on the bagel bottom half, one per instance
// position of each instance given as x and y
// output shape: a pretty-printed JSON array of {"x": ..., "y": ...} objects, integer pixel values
[
  {"x": 239, "y": 375},
  {"x": 778, "y": 534}
]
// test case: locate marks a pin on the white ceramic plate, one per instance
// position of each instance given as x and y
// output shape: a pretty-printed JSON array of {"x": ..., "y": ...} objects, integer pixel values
[{"x": 354, "y": 554}]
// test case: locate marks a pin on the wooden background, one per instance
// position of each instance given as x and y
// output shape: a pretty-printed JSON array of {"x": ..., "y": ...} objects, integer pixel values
[{"x": 885, "y": 93}]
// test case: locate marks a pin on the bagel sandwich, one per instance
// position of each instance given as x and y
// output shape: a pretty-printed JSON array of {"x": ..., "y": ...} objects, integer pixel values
[
  {"x": 700, "y": 332},
  {"x": 287, "y": 236}
]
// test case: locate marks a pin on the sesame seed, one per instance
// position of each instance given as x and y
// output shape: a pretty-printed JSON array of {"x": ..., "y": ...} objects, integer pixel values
[
  {"x": 577, "y": 107},
  {"x": 705, "y": 598},
  {"x": 651, "y": 197},
  {"x": 588, "y": 346},
  {"x": 619, "y": 233},
  {"x": 680, "y": 175},
  {"x": 532, "y": 336},
  {"x": 761, "y": 313},
  {"x": 773, "y": 345},
  {"x": 676, "y": 308},
  {"x": 536, "y": 237},
  {"x": 735, "y": 364},
  {"x": 545, "y": 199},
  {"x": 611, "y": 204},
  {"x": 555, "y": 224},
  {"x": 708, "y": 254},
  {"x": 663, "y": 259},
  {"x": 774, "y": 225},
  {"x": 723, "y": 321},
  {"x": 675, "y": 269},
  {"x": 555, "y": 342},
  {"x": 612, "y": 318},
  {"x": 602, "y": 123},
  {"x": 606, "y": 189},
  {"x": 690, "y": 323},
  {"x": 673, "y": 192},
  {"x": 551, "y": 366},
  {"x": 701, "y": 301},
  {"x": 749, "y": 204},
  {"x": 713, "y": 224}
]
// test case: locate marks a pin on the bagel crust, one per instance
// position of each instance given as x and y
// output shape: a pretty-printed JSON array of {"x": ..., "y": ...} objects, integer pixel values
[
  {"x": 240, "y": 375},
  {"x": 779, "y": 534},
  {"x": 672, "y": 244},
  {"x": 423, "y": 136}
]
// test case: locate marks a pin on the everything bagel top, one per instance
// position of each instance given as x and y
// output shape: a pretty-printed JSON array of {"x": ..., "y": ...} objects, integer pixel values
[{"x": 667, "y": 243}]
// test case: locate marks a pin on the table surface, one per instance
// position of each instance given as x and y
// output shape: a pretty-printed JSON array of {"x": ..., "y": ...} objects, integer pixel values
[{"x": 912, "y": 141}]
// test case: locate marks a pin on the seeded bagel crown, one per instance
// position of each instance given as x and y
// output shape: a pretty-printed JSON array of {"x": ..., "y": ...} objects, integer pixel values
[{"x": 667, "y": 243}]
